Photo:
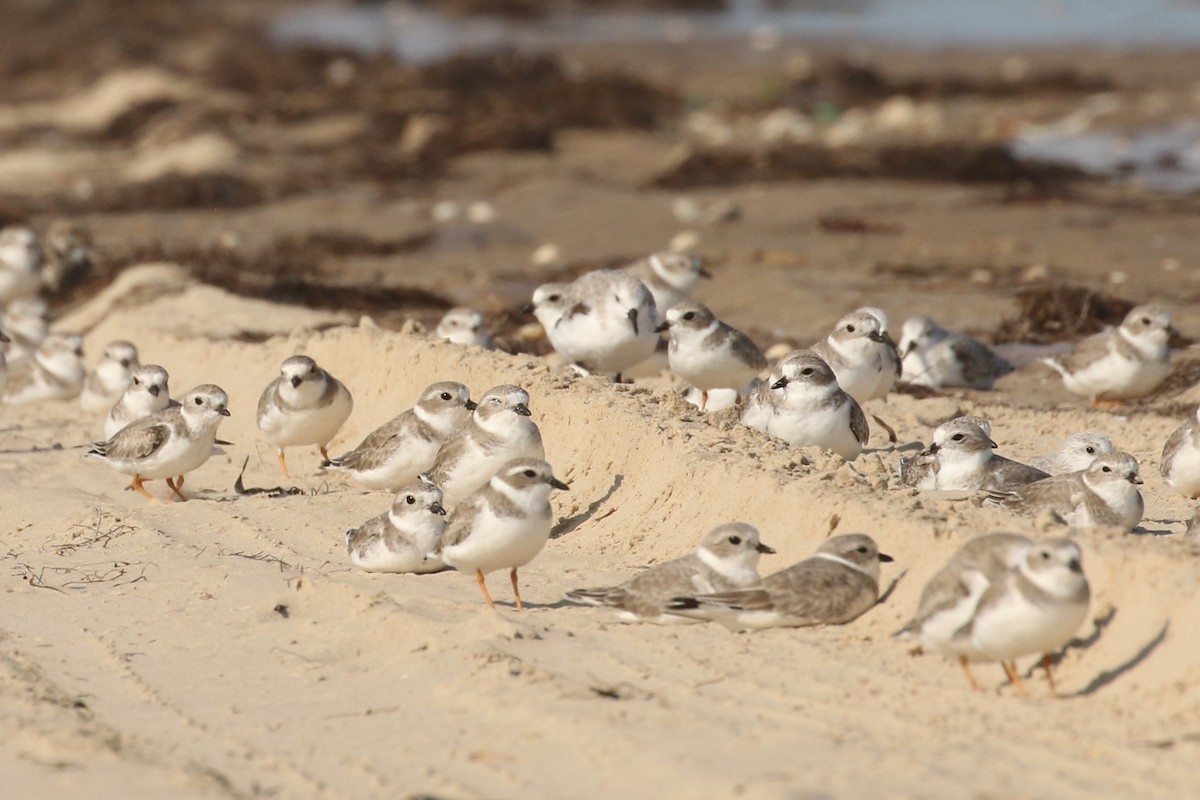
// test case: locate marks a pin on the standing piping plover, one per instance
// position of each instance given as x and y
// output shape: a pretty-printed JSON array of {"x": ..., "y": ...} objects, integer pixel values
[
  {"x": 1180, "y": 463},
  {"x": 499, "y": 431},
  {"x": 398, "y": 451},
  {"x": 806, "y": 408},
  {"x": 147, "y": 392},
  {"x": 669, "y": 276},
  {"x": 707, "y": 353},
  {"x": 857, "y": 352},
  {"x": 1123, "y": 363},
  {"x": 1076, "y": 452},
  {"x": 304, "y": 405},
  {"x": 404, "y": 537},
  {"x": 727, "y": 559},
  {"x": 961, "y": 458},
  {"x": 105, "y": 384},
  {"x": 55, "y": 372},
  {"x": 1105, "y": 495},
  {"x": 549, "y": 302},
  {"x": 504, "y": 524},
  {"x": 20, "y": 264},
  {"x": 835, "y": 586},
  {"x": 463, "y": 326},
  {"x": 606, "y": 324},
  {"x": 1002, "y": 597},
  {"x": 169, "y": 443},
  {"x": 938, "y": 358}
]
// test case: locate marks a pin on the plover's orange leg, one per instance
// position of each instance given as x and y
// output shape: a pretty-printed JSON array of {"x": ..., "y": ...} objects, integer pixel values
[
  {"x": 1048, "y": 665},
  {"x": 137, "y": 486},
  {"x": 703, "y": 399},
  {"x": 483, "y": 588},
  {"x": 1109, "y": 405},
  {"x": 283, "y": 464},
  {"x": 966, "y": 668},
  {"x": 176, "y": 484},
  {"x": 324, "y": 453},
  {"x": 516, "y": 589},
  {"x": 1010, "y": 669}
]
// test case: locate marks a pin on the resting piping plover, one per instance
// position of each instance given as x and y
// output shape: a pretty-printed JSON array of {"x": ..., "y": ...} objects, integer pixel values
[
  {"x": 397, "y": 452},
  {"x": 147, "y": 392},
  {"x": 463, "y": 326},
  {"x": 707, "y": 353},
  {"x": 806, "y": 408},
  {"x": 669, "y": 276},
  {"x": 1076, "y": 452},
  {"x": 938, "y": 358},
  {"x": 961, "y": 457},
  {"x": 404, "y": 537},
  {"x": 499, "y": 431},
  {"x": 20, "y": 264},
  {"x": 168, "y": 443},
  {"x": 1126, "y": 362},
  {"x": 104, "y": 386},
  {"x": 727, "y": 559},
  {"x": 856, "y": 350},
  {"x": 55, "y": 372},
  {"x": 889, "y": 353},
  {"x": 27, "y": 326},
  {"x": 504, "y": 524},
  {"x": 607, "y": 322},
  {"x": 835, "y": 586},
  {"x": 1180, "y": 463},
  {"x": 304, "y": 405},
  {"x": 1105, "y": 495}
]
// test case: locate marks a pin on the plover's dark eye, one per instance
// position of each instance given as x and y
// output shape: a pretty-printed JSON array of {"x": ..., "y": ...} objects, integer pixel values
[
  {"x": 1045, "y": 556},
  {"x": 410, "y": 499},
  {"x": 199, "y": 401},
  {"x": 735, "y": 540},
  {"x": 136, "y": 382},
  {"x": 863, "y": 549},
  {"x": 806, "y": 371},
  {"x": 849, "y": 329},
  {"x": 554, "y": 298},
  {"x": 445, "y": 395},
  {"x": 689, "y": 316},
  {"x": 1145, "y": 320},
  {"x": 1106, "y": 469},
  {"x": 530, "y": 473},
  {"x": 1090, "y": 450},
  {"x": 958, "y": 437}
]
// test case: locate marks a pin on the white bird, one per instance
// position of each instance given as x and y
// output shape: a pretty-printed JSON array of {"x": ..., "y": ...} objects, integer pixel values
[
  {"x": 169, "y": 443},
  {"x": 397, "y": 452},
  {"x": 27, "y": 325},
  {"x": 105, "y": 384},
  {"x": 503, "y": 525},
  {"x": 147, "y": 392},
  {"x": 669, "y": 276},
  {"x": 835, "y": 586},
  {"x": 463, "y": 326},
  {"x": 805, "y": 407},
  {"x": 1077, "y": 452},
  {"x": 938, "y": 358},
  {"x": 1105, "y": 495},
  {"x": 402, "y": 539},
  {"x": 304, "y": 405},
  {"x": 726, "y": 559},
  {"x": 961, "y": 457},
  {"x": 20, "y": 264},
  {"x": 1180, "y": 463},
  {"x": 860, "y": 356},
  {"x": 707, "y": 353},
  {"x": 55, "y": 372},
  {"x": 1122, "y": 363}
]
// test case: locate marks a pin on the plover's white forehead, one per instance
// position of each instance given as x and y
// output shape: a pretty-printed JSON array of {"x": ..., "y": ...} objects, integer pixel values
[
  {"x": 1115, "y": 466},
  {"x": 805, "y": 365},
  {"x": 417, "y": 496},
  {"x": 1150, "y": 315},
  {"x": 857, "y": 323},
  {"x": 961, "y": 433},
  {"x": 690, "y": 314},
  {"x": 298, "y": 366},
  {"x": 857, "y": 548},
  {"x": 120, "y": 351},
  {"x": 467, "y": 318},
  {"x": 206, "y": 395},
  {"x": 149, "y": 375},
  {"x": 549, "y": 294},
  {"x": 505, "y": 395},
  {"x": 730, "y": 537},
  {"x": 1088, "y": 443},
  {"x": 879, "y": 314},
  {"x": 444, "y": 392}
]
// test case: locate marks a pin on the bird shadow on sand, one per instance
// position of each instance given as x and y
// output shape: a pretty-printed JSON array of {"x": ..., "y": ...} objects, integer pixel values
[
  {"x": 1142, "y": 530},
  {"x": 1109, "y": 676},
  {"x": 569, "y": 524},
  {"x": 883, "y": 598}
]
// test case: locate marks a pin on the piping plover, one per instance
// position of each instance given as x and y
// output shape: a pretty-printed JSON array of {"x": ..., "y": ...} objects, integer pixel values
[
  {"x": 499, "y": 431},
  {"x": 504, "y": 524},
  {"x": 404, "y": 537},
  {"x": 1122, "y": 363},
  {"x": 938, "y": 358},
  {"x": 20, "y": 264},
  {"x": 707, "y": 353},
  {"x": 398, "y": 451},
  {"x": 857, "y": 352},
  {"x": 669, "y": 276},
  {"x": 961, "y": 457},
  {"x": 1180, "y": 463},
  {"x": 463, "y": 326},
  {"x": 147, "y": 392},
  {"x": 1002, "y": 597},
  {"x": 1105, "y": 495},
  {"x": 55, "y": 372},
  {"x": 1076, "y": 452},
  {"x": 304, "y": 405},
  {"x": 607, "y": 322},
  {"x": 169, "y": 443},
  {"x": 104, "y": 385},
  {"x": 835, "y": 586},
  {"x": 890, "y": 353},
  {"x": 805, "y": 407},
  {"x": 549, "y": 302},
  {"x": 27, "y": 325},
  {"x": 727, "y": 559}
]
